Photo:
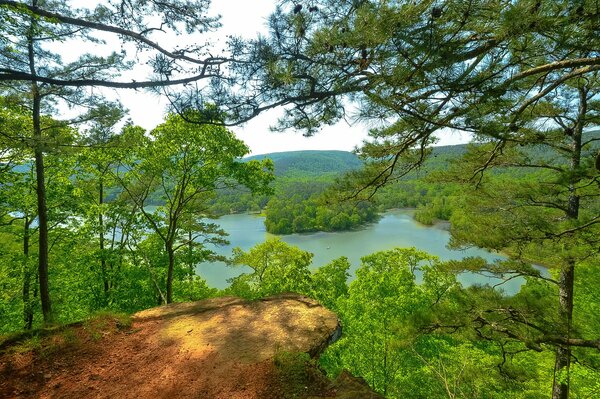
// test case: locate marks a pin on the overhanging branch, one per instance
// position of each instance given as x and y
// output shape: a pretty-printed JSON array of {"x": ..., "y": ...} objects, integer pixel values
[
  {"x": 11, "y": 75},
  {"x": 106, "y": 28}
]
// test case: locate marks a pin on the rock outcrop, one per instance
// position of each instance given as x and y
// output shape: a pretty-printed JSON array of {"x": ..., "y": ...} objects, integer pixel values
[
  {"x": 216, "y": 348},
  {"x": 248, "y": 330}
]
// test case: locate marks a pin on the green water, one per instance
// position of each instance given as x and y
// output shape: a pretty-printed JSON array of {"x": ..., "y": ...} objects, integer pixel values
[{"x": 394, "y": 229}]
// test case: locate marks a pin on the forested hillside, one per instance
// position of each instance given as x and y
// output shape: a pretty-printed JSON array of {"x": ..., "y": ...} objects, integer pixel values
[
  {"x": 319, "y": 164},
  {"x": 306, "y": 180},
  {"x": 298, "y": 203}
]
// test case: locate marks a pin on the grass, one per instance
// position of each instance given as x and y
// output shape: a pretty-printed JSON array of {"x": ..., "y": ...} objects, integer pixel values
[
  {"x": 50, "y": 339},
  {"x": 102, "y": 323},
  {"x": 299, "y": 375}
]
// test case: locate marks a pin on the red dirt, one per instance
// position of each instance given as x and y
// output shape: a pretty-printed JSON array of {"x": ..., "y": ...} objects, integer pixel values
[{"x": 220, "y": 348}]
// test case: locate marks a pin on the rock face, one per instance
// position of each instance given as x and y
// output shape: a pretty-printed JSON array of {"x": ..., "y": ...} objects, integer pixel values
[{"x": 217, "y": 348}]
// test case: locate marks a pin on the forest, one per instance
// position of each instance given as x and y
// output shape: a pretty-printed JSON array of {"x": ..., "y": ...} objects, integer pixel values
[
  {"x": 98, "y": 214},
  {"x": 305, "y": 186}
]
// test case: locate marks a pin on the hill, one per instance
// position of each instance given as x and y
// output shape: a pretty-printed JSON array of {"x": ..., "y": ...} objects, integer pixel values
[
  {"x": 329, "y": 163},
  {"x": 311, "y": 163}
]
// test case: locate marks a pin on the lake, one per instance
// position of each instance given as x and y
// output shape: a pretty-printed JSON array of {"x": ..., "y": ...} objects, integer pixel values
[{"x": 394, "y": 229}]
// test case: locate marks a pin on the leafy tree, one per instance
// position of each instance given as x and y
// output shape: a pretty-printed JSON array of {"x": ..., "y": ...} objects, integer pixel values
[
  {"x": 12, "y": 310},
  {"x": 106, "y": 217},
  {"x": 511, "y": 72},
  {"x": 31, "y": 70},
  {"x": 392, "y": 314},
  {"x": 183, "y": 164},
  {"x": 14, "y": 120},
  {"x": 383, "y": 293},
  {"x": 329, "y": 282},
  {"x": 380, "y": 299},
  {"x": 548, "y": 217},
  {"x": 16, "y": 203},
  {"x": 18, "y": 207},
  {"x": 276, "y": 267}
]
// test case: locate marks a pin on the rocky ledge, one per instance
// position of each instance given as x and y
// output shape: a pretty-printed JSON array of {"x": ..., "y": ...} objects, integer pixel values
[{"x": 217, "y": 348}]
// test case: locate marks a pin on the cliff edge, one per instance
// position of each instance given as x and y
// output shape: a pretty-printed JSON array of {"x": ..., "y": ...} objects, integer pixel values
[{"x": 220, "y": 348}]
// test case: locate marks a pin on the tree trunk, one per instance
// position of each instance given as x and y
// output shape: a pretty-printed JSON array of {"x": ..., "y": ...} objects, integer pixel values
[
  {"x": 566, "y": 281},
  {"x": 43, "y": 235},
  {"x": 190, "y": 253},
  {"x": 40, "y": 182},
  {"x": 171, "y": 253},
  {"x": 27, "y": 302},
  {"x": 562, "y": 364},
  {"x": 101, "y": 238}
]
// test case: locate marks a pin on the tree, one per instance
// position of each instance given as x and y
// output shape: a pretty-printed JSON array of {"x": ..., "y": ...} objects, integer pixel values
[
  {"x": 382, "y": 313},
  {"x": 276, "y": 267},
  {"x": 15, "y": 196},
  {"x": 18, "y": 189},
  {"x": 329, "y": 282},
  {"x": 17, "y": 205},
  {"x": 179, "y": 167},
  {"x": 548, "y": 216},
  {"x": 510, "y": 72},
  {"x": 30, "y": 68},
  {"x": 107, "y": 215}
]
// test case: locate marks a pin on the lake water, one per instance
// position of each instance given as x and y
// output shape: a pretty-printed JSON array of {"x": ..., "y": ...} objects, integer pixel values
[{"x": 394, "y": 229}]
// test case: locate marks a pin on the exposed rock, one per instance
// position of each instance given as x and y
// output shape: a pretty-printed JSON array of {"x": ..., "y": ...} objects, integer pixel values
[
  {"x": 248, "y": 330},
  {"x": 217, "y": 348}
]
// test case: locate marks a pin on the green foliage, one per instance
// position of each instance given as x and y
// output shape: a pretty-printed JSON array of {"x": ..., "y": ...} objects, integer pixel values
[
  {"x": 397, "y": 334},
  {"x": 382, "y": 297},
  {"x": 276, "y": 267},
  {"x": 538, "y": 205},
  {"x": 311, "y": 164},
  {"x": 11, "y": 304},
  {"x": 105, "y": 254},
  {"x": 439, "y": 209},
  {"x": 181, "y": 165},
  {"x": 301, "y": 207},
  {"x": 329, "y": 283},
  {"x": 18, "y": 211},
  {"x": 192, "y": 288},
  {"x": 298, "y": 375}
]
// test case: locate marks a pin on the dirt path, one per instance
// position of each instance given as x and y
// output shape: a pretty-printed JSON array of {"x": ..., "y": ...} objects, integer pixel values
[{"x": 221, "y": 348}]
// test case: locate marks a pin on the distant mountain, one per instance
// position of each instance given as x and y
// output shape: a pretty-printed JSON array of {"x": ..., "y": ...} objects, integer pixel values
[
  {"x": 442, "y": 154},
  {"x": 330, "y": 163},
  {"x": 311, "y": 163}
]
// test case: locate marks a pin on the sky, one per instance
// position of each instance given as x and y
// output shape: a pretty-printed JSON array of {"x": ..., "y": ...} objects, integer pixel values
[{"x": 248, "y": 18}]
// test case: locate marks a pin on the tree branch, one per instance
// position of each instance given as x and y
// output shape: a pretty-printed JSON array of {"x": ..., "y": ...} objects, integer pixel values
[
  {"x": 12, "y": 75},
  {"x": 101, "y": 27}
]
